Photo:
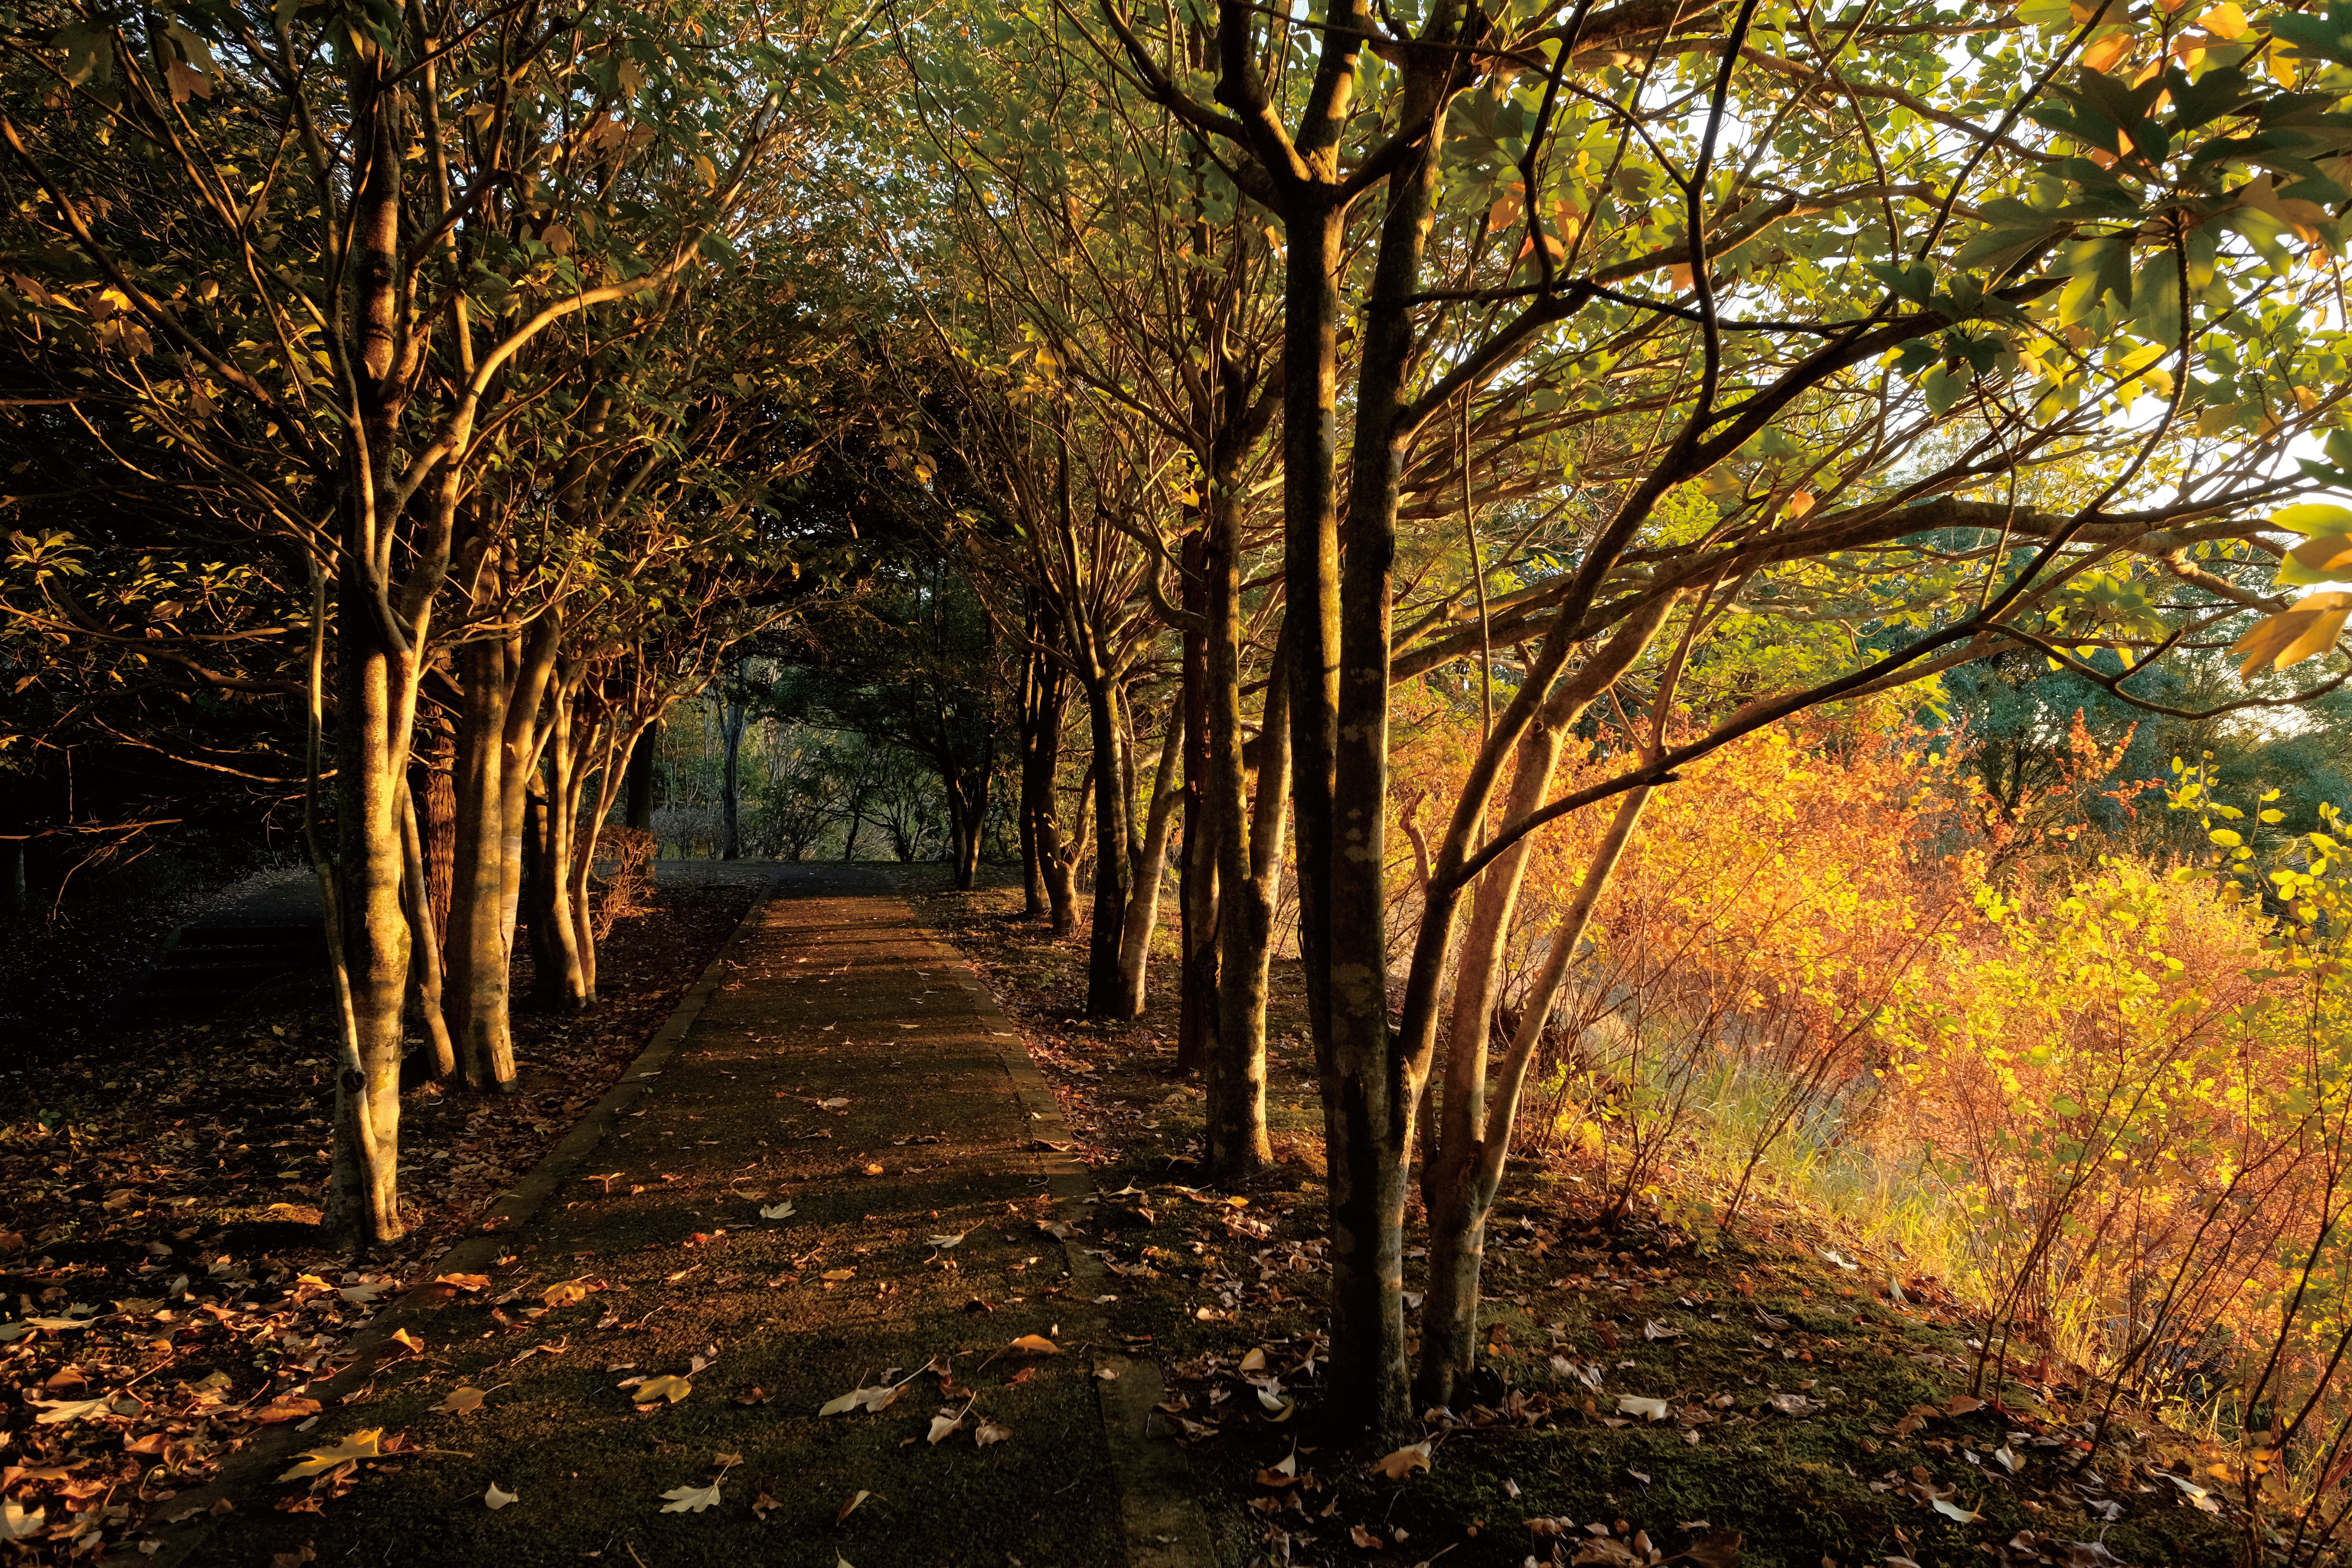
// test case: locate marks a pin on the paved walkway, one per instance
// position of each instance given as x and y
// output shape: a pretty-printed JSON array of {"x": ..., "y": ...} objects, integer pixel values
[{"x": 850, "y": 1068}]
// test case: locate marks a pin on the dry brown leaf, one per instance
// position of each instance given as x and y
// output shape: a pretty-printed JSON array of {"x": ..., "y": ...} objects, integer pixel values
[
  {"x": 462, "y": 1401},
  {"x": 989, "y": 1432},
  {"x": 1404, "y": 1462},
  {"x": 851, "y": 1506}
]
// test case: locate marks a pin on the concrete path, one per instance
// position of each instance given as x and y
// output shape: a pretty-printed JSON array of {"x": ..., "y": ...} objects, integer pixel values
[{"x": 775, "y": 1221}]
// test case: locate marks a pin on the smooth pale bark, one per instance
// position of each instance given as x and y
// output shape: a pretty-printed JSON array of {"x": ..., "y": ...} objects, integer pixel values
[
  {"x": 560, "y": 983},
  {"x": 424, "y": 943},
  {"x": 437, "y": 825},
  {"x": 1461, "y": 1191},
  {"x": 367, "y": 929},
  {"x": 477, "y": 954}
]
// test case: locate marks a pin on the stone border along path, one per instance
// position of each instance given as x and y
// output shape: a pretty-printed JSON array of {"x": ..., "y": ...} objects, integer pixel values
[{"x": 830, "y": 989}]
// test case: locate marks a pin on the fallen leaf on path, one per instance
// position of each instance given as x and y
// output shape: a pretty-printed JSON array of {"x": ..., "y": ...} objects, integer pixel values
[
  {"x": 944, "y": 1242},
  {"x": 837, "y": 1275},
  {"x": 1037, "y": 1345},
  {"x": 690, "y": 1500},
  {"x": 835, "y": 1104},
  {"x": 1963, "y": 1404},
  {"x": 1608, "y": 1554},
  {"x": 1647, "y": 1409},
  {"x": 945, "y": 1423},
  {"x": 989, "y": 1432},
  {"x": 286, "y": 1407},
  {"x": 364, "y": 1445},
  {"x": 408, "y": 1341},
  {"x": 20, "y": 1524},
  {"x": 666, "y": 1387},
  {"x": 1717, "y": 1548},
  {"x": 1794, "y": 1404},
  {"x": 463, "y": 1281},
  {"x": 1365, "y": 1537},
  {"x": 1255, "y": 1361},
  {"x": 462, "y": 1401},
  {"x": 777, "y": 1210},
  {"x": 495, "y": 1499},
  {"x": 56, "y": 1411},
  {"x": 1954, "y": 1511},
  {"x": 851, "y": 1506},
  {"x": 1654, "y": 1330},
  {"x": 2010, "y": 1458},
  {"x": 871, "y": 1400},
  {"x": 1404, "y": 1462},
  {"x": 567, "y": 1292}
]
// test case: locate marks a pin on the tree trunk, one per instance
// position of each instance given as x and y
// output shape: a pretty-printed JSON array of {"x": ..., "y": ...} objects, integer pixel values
[
  {"x": 367, "y": 925},
  {"x": 1104, "y": 991},
  {"x": 424, "y": 944},
  {"x": 1149, "y": 871},
  {"x": 439, "y": 830},
  {"x": 477, "y": 954},
  {"x": 639, "y": 812},
  {"x": 1197, "y": 883},
  {"x": 731, "y": 725},
  {"x": 1461, "y": 1191}
]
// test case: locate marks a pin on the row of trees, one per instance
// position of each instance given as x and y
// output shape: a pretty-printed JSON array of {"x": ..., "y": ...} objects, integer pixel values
[
  {"x": 1637, "y": 376},
  {"x": 420, "y": 381},
  {"x": 1684, "y": 367}
]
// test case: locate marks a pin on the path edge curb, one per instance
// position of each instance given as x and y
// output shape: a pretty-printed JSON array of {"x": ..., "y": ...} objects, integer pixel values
[
  {"x": 474, "y": 1252},
  {"x": 1161, "y": 1518}
]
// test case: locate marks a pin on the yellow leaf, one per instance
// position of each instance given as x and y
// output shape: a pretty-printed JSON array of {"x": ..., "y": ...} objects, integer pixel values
[
  {"x": 2294, "y": 634},
  {"x": 2320, "y": 558},
  {"x": 569, "y": 1293},
  {"x": 1799, "y": 504},
  {"x": 366, "y": 1445},
  {"x": 2225, "y": 21},
  {"x": 460, "y": 1401},
  {"x": 2107, "y": 51},
  {"x": 414, "y": 1345},
  {"x": 670, "y": 1388},
  {"x": 1037, "y": 1344},
  {"x": 459, "y": 1282}
]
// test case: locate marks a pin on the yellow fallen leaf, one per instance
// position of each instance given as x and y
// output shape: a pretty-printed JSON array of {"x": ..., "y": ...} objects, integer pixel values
[
  {"x": 286, "y": 1407},
  {"x": 1037, "y": 1345},
  {"x": 364, "y": 1445},
  {"x": 565, "y": 1293},
  {"x": 851, "y": 1506},
  {"x": 670, "y": 1388},
  {"x": 1404, "y": 1462},
  {"x": 21, "y": 1523},
  {"x": 460, "y": 1401},
  {"x": 1255, "y": 1361},
  {"x": 463, "y": 1281},
  {"x": 837, "y": 1275},
  {"x": 414, "y": 1345},
  {"x": 495, "y": 1499}
]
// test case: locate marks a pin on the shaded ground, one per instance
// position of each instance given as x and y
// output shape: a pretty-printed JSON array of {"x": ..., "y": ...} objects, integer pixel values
[
  {"x": 162, "y": 1184},
  {"x": 842, "y": 1073},
  {"x": 1817, "y": 1408}
]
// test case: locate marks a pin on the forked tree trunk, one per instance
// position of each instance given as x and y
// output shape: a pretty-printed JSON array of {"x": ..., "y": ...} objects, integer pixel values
[{"x": 1470, "y": 1159}]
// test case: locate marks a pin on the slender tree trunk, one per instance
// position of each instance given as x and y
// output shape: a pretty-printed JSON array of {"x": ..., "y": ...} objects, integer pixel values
[
  {"x": 1149, "y": 871},
  {"x": 1105, "y": 995},
  {"x": 439, "y": 830},
  {"x": 639, "y": 812},
  {"x": 1040, "y": 745},
  {"x": 1197, "y": 882},
  {"x": 1250, "y": 850},
  {"x": 730, "y": 800},
  {"x": 371, "y": 928},
  {"x": 424, "y": 944},
  {"x": 1461, "y": 1191},
  {"x": 477, "y": 954}
]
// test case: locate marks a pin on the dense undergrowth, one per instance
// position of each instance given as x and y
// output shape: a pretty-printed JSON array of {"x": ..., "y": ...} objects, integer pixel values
[{"x": 1957, "y": 1192}]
